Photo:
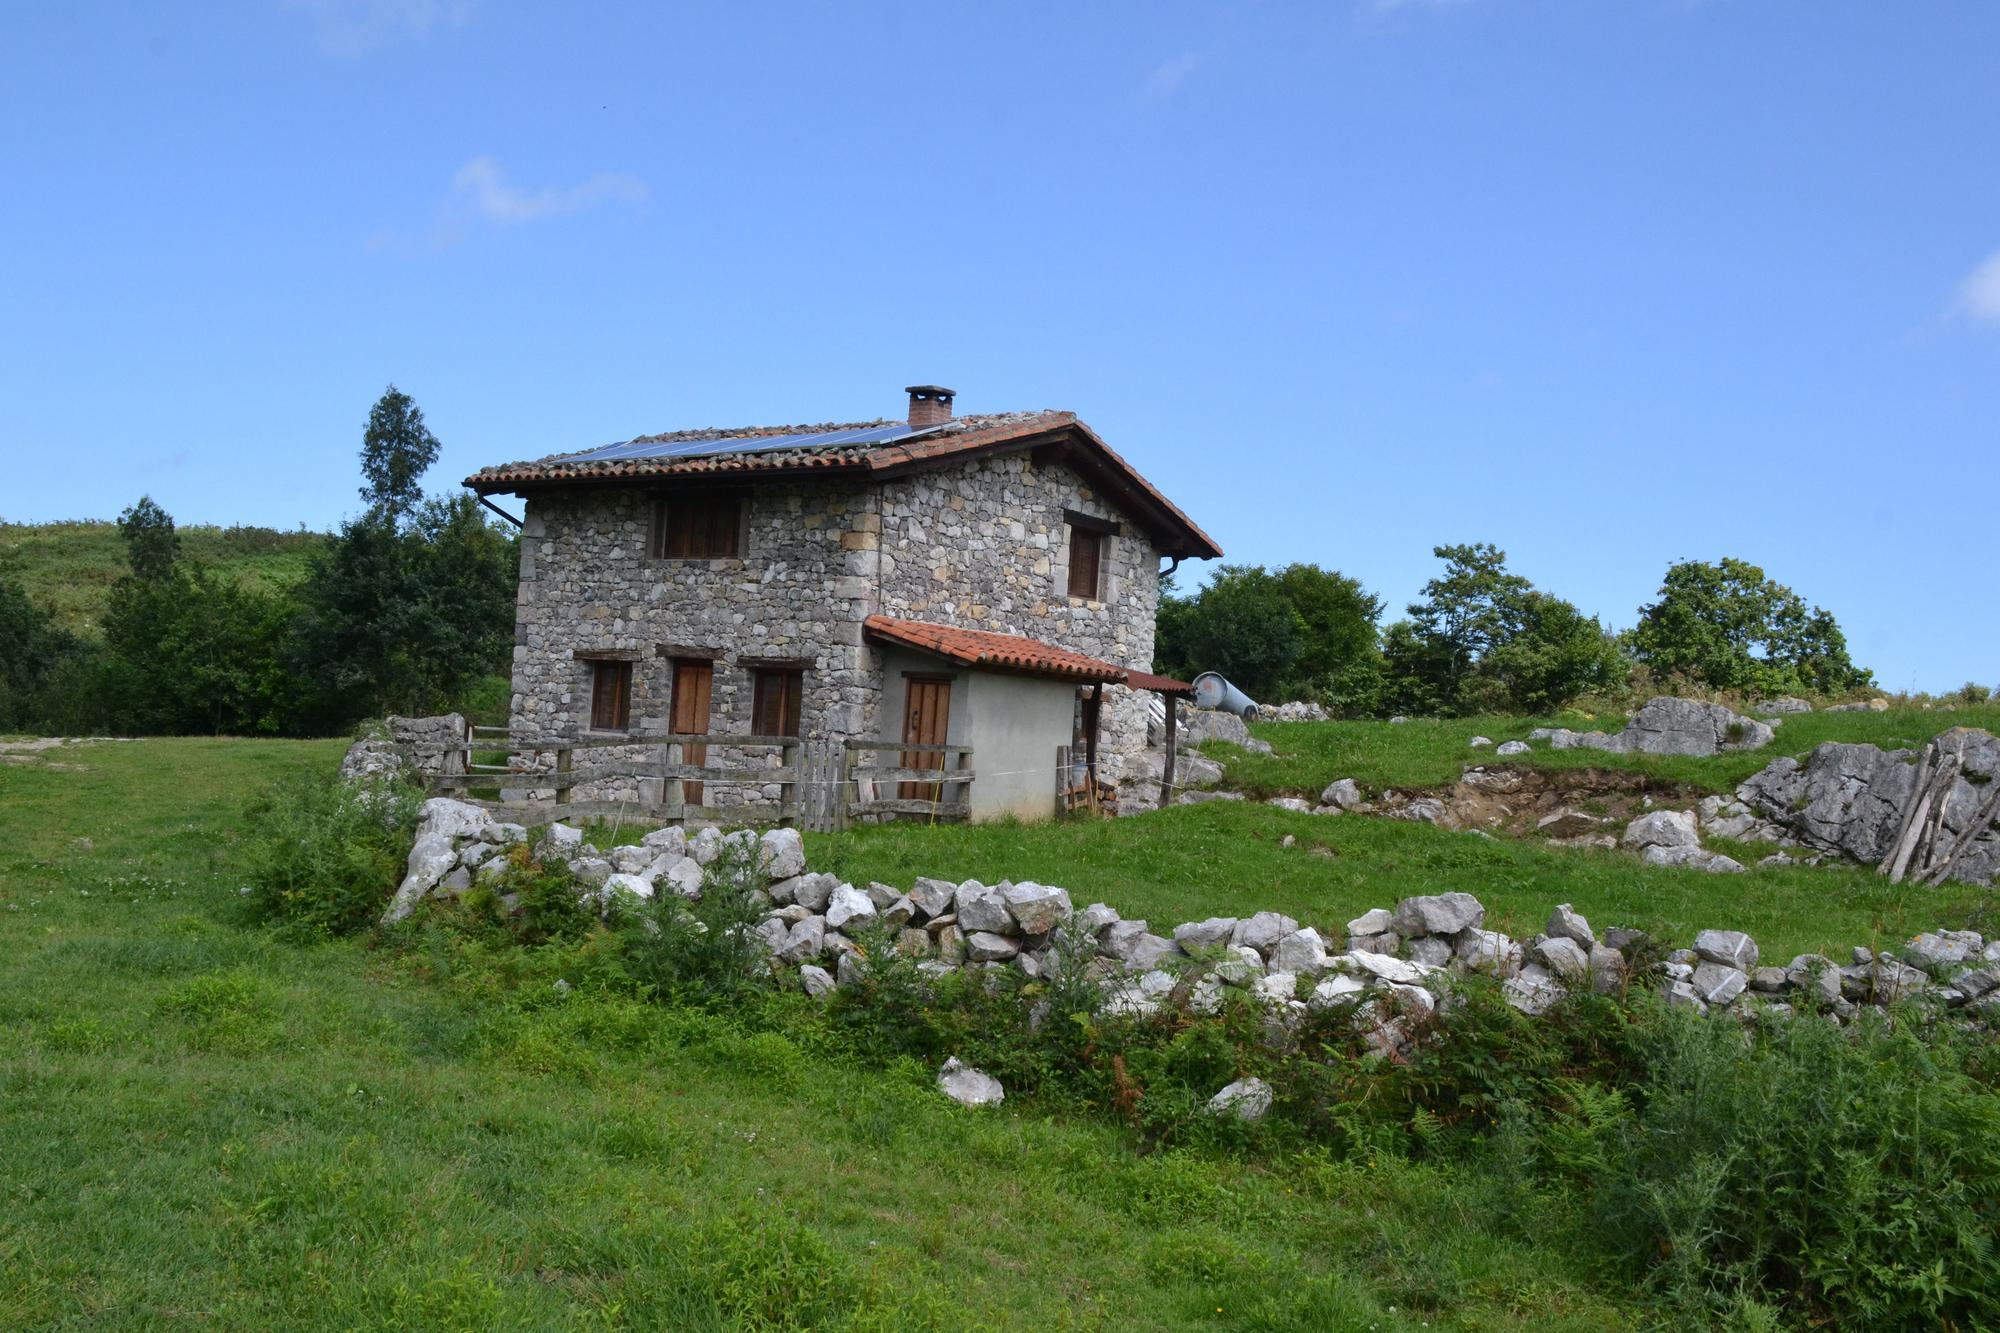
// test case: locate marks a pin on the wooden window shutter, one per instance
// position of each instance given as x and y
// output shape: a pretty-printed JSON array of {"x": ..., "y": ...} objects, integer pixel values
[
  {"x": 610, "y": 696},
  {"x": 775, "y": 705},
  {"x": 699, "y": 527},
  {"x": 1086, "y": 551}
]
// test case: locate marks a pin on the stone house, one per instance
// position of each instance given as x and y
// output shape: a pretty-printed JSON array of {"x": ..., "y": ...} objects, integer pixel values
[{"x": 941, "y": 578}]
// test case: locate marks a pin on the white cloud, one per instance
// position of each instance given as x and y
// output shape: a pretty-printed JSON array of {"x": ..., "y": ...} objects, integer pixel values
[
  {"x": 350, "y": 27},
  {"x": 484, "y": 190},
  {"x": 1979, "y": 294},
  {"x": 481, "y": 193},
  {"x": 1167, "y": 77}
]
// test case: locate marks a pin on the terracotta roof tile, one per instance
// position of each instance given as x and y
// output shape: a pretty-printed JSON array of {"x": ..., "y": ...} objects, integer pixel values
[
  {"x": 1146, "y": 680},
  {"x": 984, "y": 648}
]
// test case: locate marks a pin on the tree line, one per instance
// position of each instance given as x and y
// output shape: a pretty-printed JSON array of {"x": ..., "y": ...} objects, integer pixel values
[
  {"x": 1483, "y": 639},
  {"x": 408, "y": 609}
]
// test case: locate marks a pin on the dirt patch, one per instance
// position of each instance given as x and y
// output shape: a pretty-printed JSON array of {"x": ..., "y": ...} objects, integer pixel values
[
  {"x": 36, "y": 750},
  {"x": 1571, "y": 806}
]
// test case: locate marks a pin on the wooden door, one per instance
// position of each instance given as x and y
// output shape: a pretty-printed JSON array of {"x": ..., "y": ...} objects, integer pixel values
[
  {"x": 692, "y": 683},
  {"x": 926, "y": 721}
]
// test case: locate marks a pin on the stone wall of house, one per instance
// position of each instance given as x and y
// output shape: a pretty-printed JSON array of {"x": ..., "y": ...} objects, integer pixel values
[
  {"x": 984, "y": 545},
  {"x": 981, "y": 544},
  {"x": 589, "y": 586}
]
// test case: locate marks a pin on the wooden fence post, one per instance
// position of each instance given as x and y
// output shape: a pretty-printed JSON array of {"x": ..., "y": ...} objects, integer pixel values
[{"x": 565, "y": 758}]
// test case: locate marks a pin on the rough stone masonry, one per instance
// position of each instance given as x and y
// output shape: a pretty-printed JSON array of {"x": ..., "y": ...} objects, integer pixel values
[{"x": 980, "y": 544}]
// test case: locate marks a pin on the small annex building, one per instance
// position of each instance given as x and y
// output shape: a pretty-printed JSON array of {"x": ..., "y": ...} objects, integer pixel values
[{"x": 984, "y": 581}]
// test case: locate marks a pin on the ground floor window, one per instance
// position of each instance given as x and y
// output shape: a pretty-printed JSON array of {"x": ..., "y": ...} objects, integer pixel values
[
  {"x": 774, "y": 708},
  {"x": 610, "y": 695}
]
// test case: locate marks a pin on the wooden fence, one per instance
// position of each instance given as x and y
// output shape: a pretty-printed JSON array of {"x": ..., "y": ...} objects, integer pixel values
[
  {"x": 513, "y": 764},
  {"x": 859, "y": 787},
  {"x": 825, "y": 784}
]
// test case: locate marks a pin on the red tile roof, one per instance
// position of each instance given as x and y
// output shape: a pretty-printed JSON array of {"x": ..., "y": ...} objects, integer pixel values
[
  {"x": 1173, "y": 531},
  {"x": 1000, "y": 652}
]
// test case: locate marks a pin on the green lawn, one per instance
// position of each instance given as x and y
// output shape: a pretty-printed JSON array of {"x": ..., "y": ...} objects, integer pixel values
[
  {"x": 205, "y": 1124},
  {"x": 1431, "y": 752},
  {"x": 70, "y": 567},
  {"x": 1226, "y": 858}
]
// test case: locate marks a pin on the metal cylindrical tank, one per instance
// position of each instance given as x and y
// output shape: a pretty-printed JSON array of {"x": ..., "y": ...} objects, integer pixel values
[{"x": 1212, "y": 691}]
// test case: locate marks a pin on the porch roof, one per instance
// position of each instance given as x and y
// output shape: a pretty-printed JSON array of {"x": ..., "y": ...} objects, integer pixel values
[{"x": 991, "y": 651}]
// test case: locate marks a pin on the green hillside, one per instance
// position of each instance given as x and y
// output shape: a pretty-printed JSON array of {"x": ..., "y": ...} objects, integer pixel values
[{"x": 70, "y": 567}]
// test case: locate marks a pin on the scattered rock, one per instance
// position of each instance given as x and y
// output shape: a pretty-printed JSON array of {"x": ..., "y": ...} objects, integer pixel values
[
  {"x": 1661, "y": 828},
  {"x": 1696, "y": 858},
  {"x": 1345, "y": 793},
  {"x": 1511, "y": 748},
  {"x": 968, "y": 1086},
  {"x": 1247, "y": 1099}
]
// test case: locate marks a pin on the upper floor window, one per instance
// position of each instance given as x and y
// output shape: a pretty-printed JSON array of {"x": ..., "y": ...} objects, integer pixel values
[
  {"x": 774, "y": 707},
  {"x": 610, "y": 695},
  {"x": 1089, "y": 542},
  {"x": 698, "y": 526}
]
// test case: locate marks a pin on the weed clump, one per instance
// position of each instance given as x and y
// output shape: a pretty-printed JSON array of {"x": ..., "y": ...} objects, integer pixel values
[{"x": 323, "y": 855}]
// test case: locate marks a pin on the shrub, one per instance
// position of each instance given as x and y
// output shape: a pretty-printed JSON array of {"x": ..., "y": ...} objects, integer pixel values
[
  {"x": 325, "y": 855},
  {"x": 703, "y": 951},
  {"x": 1855, "y": 1171}
]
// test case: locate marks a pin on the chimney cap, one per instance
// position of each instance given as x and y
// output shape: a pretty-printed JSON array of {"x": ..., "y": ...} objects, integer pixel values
[{"x": 930, "y": 391}]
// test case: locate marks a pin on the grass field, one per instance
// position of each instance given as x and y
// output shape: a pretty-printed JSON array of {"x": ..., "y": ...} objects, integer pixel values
[
  {"x": 1226, "y": 858},
  {"x": 70, "y": 567},
  {"x": 1430, "y": 752},
  {"x": 203, "y": 1123}
]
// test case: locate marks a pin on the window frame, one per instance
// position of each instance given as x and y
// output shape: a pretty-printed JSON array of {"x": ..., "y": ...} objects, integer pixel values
[
  {"x": 621, "y": 670},
  {"x": 790, "y": 682},
  {"x": 663, "y": 526}
]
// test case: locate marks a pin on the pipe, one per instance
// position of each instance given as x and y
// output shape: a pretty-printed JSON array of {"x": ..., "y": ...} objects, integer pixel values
[{"x": 1212, "y": 691}]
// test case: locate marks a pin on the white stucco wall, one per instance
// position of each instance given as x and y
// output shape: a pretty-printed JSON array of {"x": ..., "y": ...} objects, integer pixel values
[{"x": 1014, "y": 725}]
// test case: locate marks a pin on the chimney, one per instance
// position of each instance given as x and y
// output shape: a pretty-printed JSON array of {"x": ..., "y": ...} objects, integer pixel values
[{"x": 930, "y": 405}]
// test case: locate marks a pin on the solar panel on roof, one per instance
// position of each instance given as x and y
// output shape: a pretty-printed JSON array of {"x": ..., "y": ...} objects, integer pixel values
[{"x": 745, "y": 444}]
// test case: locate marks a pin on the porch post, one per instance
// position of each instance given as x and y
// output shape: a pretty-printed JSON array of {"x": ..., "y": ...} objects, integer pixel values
[
  {"x": 1167, "y": 770},
  {"x": 1090, "y": 738}
]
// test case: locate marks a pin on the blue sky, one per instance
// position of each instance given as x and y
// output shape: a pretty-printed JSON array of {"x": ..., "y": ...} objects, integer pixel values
[{"x": 1609, "y": 283}]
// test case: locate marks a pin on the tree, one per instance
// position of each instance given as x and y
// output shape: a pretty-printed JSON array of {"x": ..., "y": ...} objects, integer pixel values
[
  {"x": 1300, "y": 631},
  {"x": 1483, "y": 639},
  {"x": 402, "y": 622},
  {"x": 1729, "y": 627},
  {"x": 1241, "y": 625},
  {"x": 151, "y": 544},
  {"x": 396, "y": 450},
  {"x": 35, "y": 652},
  {"x": 193, "y": 653},
  {"x": 1555, "y": 655},
  {"x": 1464, "y": 613}
]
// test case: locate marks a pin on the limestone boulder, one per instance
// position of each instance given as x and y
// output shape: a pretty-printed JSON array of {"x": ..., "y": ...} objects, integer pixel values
[
  {"x": 430, "y": 860},
  {"x": 1037, "y": 909},
  {"x": 1345, "y": 793},
  {"x": 781, "y": 853},
  {"x": 1438, "y": 914},
  {"x": 1247, "y": 1099},
  {"x": 1692, "y": 858},
  {"x": 1661, "y": 828},
  {"x": 968, "y": 1086}
]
